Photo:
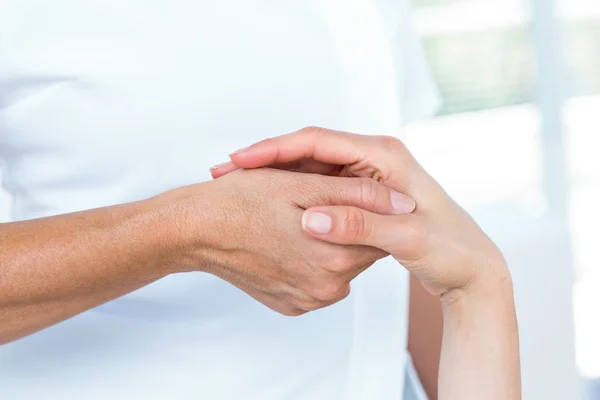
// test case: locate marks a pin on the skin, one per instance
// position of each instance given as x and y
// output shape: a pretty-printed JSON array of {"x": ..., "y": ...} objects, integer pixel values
[
  {"x": 425, "y": 311},
  {"x": 244, "y": 228},
  {"x": 80, "y": 260},
  {"x": 425, "y": 329},
  {"x": 439, "y": 243}
]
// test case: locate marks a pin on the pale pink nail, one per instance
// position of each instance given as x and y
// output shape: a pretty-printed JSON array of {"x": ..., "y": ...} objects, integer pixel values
[
  {"x": 402, "y": 203},
  {"x": 317, "y": 222},
  {"x": 218, "y": 165},
  {"x": 238, "y": 151}
]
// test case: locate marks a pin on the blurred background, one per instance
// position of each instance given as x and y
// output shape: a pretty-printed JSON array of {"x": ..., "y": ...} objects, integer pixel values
[{"x": 517, "y": 143}]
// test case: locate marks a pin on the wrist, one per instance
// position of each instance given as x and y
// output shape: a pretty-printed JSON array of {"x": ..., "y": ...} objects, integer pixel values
[
  {"x": 187, "y": 220},
  {"x": 484, "y": 289},
  {"x": 481, "y": 341}
]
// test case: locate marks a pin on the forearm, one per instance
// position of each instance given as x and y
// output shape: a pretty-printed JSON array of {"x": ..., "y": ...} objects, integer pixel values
[
  {"x": 425, "y": 335},
  {"x": 17, "y": 321},
  {"x": 54, "y": 268},
  {"x": 480, "y": 348}
]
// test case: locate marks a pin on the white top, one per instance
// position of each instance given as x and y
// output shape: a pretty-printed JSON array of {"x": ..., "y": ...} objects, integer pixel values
[{"x": 104, "y": 102}]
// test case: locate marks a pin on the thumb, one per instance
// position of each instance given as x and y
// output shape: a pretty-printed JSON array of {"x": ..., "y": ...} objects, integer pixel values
[
  {"x": 354, "y": 226},
  {"x": 364, "y": 193}
]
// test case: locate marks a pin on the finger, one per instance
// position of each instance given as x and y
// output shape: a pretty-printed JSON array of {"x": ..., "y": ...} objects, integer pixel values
[
  {"x": 308, "y": 166},
  {"x": 222, "y": 169},
  {"x": 326, "y": 146},
  {"x": 365, "y": 255},
  {"x": 397, "y": 235},
  {"x": 382, "y": 158},
  {"x": 270, "y": 300},
  {"x": 276, "y": 305},
  {"x": 364, "y": 193},
  {"x": 325, "y": 301}
]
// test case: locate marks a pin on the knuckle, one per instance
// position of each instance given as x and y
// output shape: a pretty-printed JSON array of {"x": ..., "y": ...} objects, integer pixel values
[
  {"x": 353, "y": 226},
  {"x": 309, "y": 305},
  {"x": 292, "y": 312},
  {"x": 331, "y": 292},
  {"x": 344, "y": 292},
  {"x": 368, "y": 190},
  {"x": 314, "y": 130},
  {"x": 391, "y": 143},
  {"x": 338, "y": 263},
  {"x": 399, "y": 149}
]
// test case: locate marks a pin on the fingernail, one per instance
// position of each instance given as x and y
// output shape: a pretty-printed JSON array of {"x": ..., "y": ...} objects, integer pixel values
[
  {"x": 317, "y": 222},
  {"x": 218, "y": 165},
  {"x": 238, "y": 151},
  {"x": 402, "y": 204}
]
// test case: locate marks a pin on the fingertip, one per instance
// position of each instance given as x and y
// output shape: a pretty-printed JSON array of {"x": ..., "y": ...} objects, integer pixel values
[
  {"x": 239, "y": 151},
  {"x": 401, "y": 203},
  {"x": 241, "y": 160},
  {"x": 317, "y": 222},
  {"x": 219, "y": 170},
  {"x": 241, "y": 154},
  {"x": 254, "y": 157}
]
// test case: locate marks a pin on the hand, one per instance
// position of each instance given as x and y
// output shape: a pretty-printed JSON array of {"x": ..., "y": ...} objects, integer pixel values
[
  {"x": 439, "y": 243},
  {"x": 256, "y": 241}
]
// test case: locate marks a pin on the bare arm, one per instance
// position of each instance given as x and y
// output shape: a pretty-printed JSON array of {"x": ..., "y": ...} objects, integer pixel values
[
  {"x": 241, "y": 229},
  {"x": 425, "y": 335},
  {"x": 54, "y": 268},
  {"x": 480, "y": 351},
  {"x": 439, "y": 243},
  {"x": 480, "y": 343}
]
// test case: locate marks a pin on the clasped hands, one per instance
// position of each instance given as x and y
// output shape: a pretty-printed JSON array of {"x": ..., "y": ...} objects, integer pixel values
[{"x": 320, "y": 206}]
